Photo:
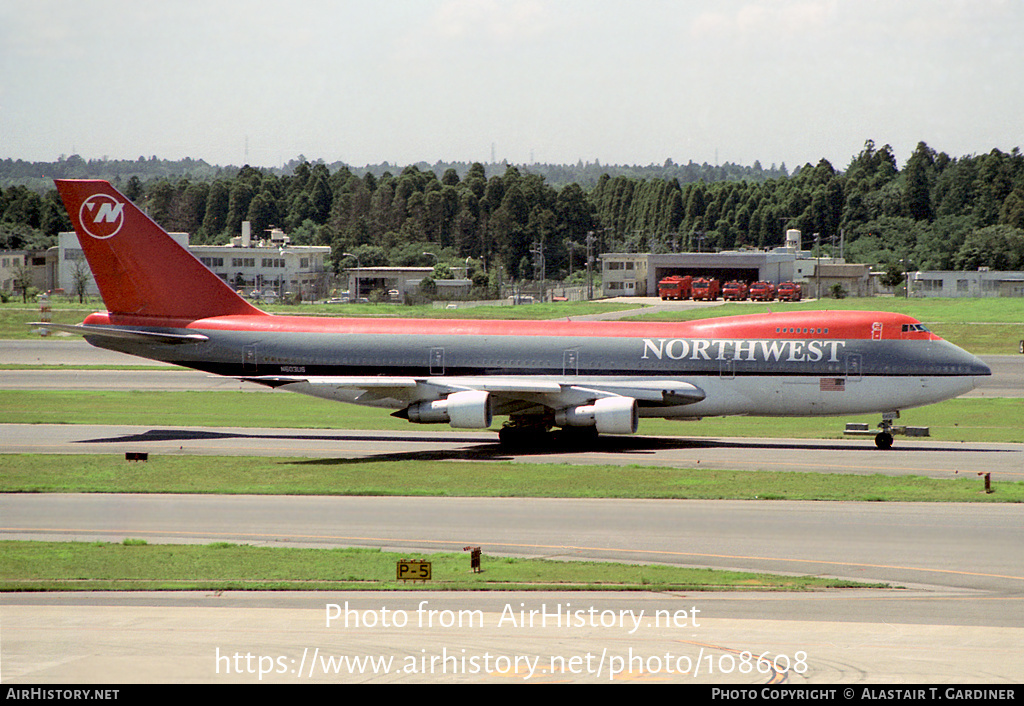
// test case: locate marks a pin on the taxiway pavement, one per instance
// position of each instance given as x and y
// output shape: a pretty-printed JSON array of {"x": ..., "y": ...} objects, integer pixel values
[{"x": 856, "y": 455}]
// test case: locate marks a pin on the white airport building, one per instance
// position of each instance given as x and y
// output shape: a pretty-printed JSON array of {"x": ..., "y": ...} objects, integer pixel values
[
  {"x": 982, "y": 282},
  {"x": 271, "y": 268}
]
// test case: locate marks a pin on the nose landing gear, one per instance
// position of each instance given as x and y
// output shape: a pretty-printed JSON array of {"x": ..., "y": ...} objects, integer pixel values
[
  {"x": 883, "y": 439},
  {"x": 886, "y": 430}
]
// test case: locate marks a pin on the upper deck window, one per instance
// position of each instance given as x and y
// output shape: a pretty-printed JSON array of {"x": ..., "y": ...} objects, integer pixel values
[{"x": 810, "y": 331}]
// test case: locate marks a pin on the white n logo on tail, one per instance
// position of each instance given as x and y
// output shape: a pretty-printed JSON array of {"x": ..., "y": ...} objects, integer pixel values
[{"x": 101, "y": 216}]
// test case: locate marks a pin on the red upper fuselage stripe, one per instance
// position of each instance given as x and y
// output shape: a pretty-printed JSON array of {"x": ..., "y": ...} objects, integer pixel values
[{"x": 847, "y": 325}]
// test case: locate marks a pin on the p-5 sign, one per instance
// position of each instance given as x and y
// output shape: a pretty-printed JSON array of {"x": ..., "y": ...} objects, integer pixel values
[{"x": 413, "y": 570}]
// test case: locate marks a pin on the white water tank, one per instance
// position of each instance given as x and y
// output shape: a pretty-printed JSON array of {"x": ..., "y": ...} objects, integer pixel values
[{"x": 793, "y": 239}]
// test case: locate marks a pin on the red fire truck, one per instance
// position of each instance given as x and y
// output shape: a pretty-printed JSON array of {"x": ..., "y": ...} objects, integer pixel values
[
  {"x": 704, "y": 288},
  {"x": 734, "y": 291},
  {"x": 790, "y": 292},
  {"x": 675, "y": 287},
  {"x": 762, "y": 291}
]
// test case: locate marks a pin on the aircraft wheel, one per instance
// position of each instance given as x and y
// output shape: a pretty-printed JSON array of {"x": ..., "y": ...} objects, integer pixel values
[
  {"x": 521, "y": 437},
  {"x": 578, "y": 436},
  {"x": 883, "y": 440},
  {"x": 510, "y": 437}
]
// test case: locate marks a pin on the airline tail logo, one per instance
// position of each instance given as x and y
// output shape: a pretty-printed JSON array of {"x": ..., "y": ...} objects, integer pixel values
[{"x": 101, "y": 216}]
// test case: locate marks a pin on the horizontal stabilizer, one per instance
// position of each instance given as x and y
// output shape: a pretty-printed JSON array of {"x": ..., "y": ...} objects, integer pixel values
[
  {"x": 347, "y": 382},
  {"x": 126, "y": 334}
]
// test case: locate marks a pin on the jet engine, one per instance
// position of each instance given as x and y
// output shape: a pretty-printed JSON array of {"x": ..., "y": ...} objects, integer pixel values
[
  {"x": 470, "y": 409},
  {"x": 611, "y": 415}
]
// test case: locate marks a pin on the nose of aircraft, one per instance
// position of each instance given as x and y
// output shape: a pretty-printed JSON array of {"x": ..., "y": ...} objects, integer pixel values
[
  {"x": 978, "y": 368},
  {"x": 982, "y": 369},
  {"x": 964, "y": 364}
]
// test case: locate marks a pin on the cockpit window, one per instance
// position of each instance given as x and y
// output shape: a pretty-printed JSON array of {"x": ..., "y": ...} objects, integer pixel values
[{"x": 914, "y": 327}]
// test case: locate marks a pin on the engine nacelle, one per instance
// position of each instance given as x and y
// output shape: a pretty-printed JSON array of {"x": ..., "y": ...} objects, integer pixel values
[
  {"x": 611, "y": 415},
  {"x": 470, "y": 409}
]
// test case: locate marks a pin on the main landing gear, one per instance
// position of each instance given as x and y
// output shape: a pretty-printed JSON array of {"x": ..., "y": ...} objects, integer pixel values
[
  {"x": 534, "y": 433},
  {"x": 517, "y": 437}
]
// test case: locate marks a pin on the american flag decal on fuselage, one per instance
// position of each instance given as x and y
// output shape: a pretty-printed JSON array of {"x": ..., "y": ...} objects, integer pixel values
[{"x": 832, "y": 385}]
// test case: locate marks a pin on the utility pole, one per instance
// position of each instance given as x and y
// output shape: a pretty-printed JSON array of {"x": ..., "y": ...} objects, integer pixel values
[
  {"x": 817, "y": 265},
  {"x": 590, "y": 260},
  {"x": 538, "y": 264}
]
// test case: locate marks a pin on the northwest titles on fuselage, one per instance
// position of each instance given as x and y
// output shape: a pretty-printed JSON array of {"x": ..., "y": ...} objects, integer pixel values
[{"x": 762, "y": 351}]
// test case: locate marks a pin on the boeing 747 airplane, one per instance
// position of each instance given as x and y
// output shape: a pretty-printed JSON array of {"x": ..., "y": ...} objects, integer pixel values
[{"x": 583, "y": 377}]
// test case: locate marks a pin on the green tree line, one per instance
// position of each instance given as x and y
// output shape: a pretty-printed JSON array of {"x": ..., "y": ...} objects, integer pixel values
[{"x": 936, "y": 211}]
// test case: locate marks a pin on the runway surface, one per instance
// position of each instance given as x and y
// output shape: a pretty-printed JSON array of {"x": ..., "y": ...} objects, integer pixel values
[
  {"x": 956, "y": 617},
  {"x": 850, "y": 540}
]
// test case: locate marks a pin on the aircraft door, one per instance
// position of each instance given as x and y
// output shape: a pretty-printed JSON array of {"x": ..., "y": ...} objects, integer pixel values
[
  {"x": 570, "y": 362},
  {"x": 249, "y": 359},
  {"x": 437, "y": 361},
  {"x": 853, "y": 367},
  {"x": 727, "y": 365}
]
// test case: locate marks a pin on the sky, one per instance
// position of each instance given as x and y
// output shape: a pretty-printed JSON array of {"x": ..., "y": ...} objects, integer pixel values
[{"x": 556, "y": 81}]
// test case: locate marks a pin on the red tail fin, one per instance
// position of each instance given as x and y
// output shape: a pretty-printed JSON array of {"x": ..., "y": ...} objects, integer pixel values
[{"x": 138, "y": 267}]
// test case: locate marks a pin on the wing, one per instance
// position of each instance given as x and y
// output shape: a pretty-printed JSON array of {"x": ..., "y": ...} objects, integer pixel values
[
  {"x": 441, "y": 399},
  {"x": 554, "y": 393}
]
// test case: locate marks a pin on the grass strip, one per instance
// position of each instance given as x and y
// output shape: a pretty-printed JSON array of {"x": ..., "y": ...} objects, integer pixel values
[
  {"x": 44, "y": 473},
  {"x": 134, "y": 565},
  {"x": 991, "y": 420}
]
